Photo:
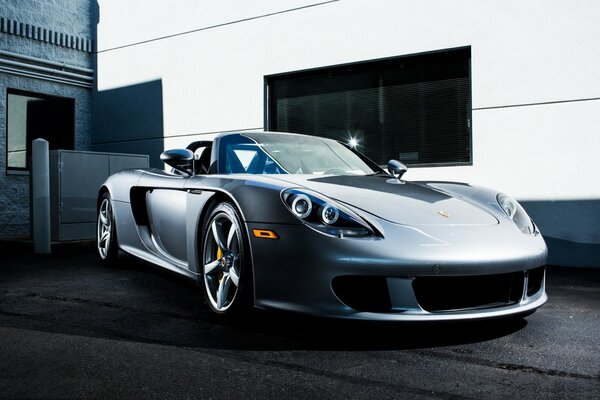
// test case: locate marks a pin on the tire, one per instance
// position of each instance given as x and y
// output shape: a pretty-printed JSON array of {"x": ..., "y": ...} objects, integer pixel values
[
  {"x": 226, "y": 271},
  {"x": 106, "y": 232}
]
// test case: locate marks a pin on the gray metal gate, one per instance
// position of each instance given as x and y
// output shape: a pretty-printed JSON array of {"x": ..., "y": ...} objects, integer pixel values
[{"x": 75, "y": 177}]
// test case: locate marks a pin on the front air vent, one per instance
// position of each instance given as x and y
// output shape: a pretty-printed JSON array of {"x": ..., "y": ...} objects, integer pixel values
[
  {"x": 535, "y": 280},
  {"x": 363, "y": 293},
  {"x": 437, "y": 294}
]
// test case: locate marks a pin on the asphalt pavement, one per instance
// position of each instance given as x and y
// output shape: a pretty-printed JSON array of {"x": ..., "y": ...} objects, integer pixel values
[{"x": 71, "y": 327}]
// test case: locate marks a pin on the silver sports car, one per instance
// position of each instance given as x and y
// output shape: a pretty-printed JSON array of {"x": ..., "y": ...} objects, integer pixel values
[{"x": 307, "y": 224}]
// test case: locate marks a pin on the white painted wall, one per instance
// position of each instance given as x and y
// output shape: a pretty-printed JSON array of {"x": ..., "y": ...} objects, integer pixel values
[{"x": 523, "y": 52}]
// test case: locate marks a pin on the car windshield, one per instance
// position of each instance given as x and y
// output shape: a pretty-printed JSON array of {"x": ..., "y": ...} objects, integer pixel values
[{"x": 290, "y": 154}]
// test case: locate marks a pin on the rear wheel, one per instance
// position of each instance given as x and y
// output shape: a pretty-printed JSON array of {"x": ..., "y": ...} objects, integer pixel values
[
  {"x": 225, "y": 267},
  {"x": 106, "y": 233}
]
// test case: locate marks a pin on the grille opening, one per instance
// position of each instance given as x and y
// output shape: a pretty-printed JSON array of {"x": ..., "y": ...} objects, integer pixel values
[
  {"x": 465, "y": 292},
  {"x": 363, "y": 293},
  {"x": 536, "y": 278}
]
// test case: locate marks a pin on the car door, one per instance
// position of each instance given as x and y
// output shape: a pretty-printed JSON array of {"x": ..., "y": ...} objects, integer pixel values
[{"x": 165, "y": 203}]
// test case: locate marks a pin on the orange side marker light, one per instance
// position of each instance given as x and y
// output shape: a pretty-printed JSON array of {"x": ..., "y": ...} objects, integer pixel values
[{"x": 265, "y": 234}]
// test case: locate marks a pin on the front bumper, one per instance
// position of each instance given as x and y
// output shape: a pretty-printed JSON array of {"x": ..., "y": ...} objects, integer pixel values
[{"x": 298, "y": 271}]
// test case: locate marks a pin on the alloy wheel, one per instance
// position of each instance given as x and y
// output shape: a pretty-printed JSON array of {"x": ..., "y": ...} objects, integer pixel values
[
  {"x": 104, "y": 228},
  {"x": 222, "y": 260}
]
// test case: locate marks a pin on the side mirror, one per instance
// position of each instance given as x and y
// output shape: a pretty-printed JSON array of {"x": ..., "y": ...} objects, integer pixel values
[
  {"x": 180, "y": 159},
  {"x": 396, "y": 168}
]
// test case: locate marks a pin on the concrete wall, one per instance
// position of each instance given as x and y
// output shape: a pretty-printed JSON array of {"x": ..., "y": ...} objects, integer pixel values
[
  {"x": 535, "y": 82},
  {"x": 69, "y": 17}
]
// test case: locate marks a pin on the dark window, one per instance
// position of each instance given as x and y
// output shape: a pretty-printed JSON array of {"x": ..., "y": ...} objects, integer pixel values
[
  {"x": 414, "y": 108},
  {"x": 31, "y": 116}
]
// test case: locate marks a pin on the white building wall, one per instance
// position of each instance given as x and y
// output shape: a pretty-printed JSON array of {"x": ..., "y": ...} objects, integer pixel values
[{"x": 535, "y": 77}]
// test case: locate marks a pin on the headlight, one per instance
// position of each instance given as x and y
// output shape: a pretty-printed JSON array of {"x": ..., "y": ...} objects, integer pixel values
[
  {"x": 325, "y": 215},
  {"x": 301, "y": 206},
  {"x": 329, "y": 214},
  {"x": 517, "y": 214}
]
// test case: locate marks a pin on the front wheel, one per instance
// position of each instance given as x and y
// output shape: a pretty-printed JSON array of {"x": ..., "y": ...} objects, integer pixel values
[
  {"x": 225, "y": 267},
  {"x": 106, "y": 232}
]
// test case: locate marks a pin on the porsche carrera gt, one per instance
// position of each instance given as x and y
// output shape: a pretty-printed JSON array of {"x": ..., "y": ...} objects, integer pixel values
[{"x": 307, "y": 224}]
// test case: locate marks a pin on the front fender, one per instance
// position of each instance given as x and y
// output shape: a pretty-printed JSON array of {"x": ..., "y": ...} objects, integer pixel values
[{"x": 258, "y": 200}]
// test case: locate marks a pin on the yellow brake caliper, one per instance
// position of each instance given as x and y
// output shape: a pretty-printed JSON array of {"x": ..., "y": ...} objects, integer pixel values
[{"x": 219, "y": 256}]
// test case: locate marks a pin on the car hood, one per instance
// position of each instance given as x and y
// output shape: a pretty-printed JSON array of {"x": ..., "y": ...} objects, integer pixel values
[{"x": 403, "y": 203}]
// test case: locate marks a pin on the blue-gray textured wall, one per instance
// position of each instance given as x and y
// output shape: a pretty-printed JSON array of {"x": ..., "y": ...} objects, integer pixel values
[{"x": 61, "y": 31}]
